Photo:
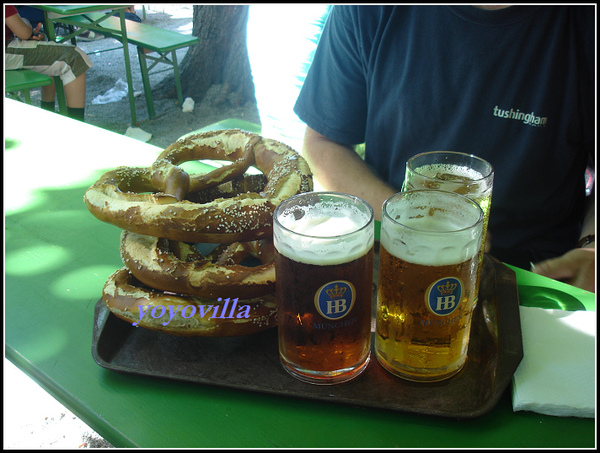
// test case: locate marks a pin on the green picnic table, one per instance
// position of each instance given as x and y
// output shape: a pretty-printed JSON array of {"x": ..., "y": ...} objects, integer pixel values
[{"x": 57, "y": 258}]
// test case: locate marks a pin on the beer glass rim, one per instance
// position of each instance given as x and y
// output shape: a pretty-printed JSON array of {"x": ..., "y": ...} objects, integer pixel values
[
  {"x": 420, "y": 230},
  {"x": 488, "y": 165},
  {"x": 281, "y": 206}
]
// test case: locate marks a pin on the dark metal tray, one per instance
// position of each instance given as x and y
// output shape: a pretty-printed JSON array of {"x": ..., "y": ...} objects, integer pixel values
[{"x": 252, "y": 362}]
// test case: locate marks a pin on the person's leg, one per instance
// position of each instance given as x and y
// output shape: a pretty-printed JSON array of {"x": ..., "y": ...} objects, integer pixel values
[
  {"x": 75, "y": 94},
  {"x": 48, "y": 97},
  {"x": 57, "y": 60}
]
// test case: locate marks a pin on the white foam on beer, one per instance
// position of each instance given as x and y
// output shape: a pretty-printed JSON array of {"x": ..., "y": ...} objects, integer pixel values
[
  {"x": 318, "y": 237},
  {"x": 432, "y": 224},
  {"x": 464, "y": 176},
  {"x": 323, "y": 226},
  {"x": 432, "y": 170},
  {"x": 431, "y": 240}
]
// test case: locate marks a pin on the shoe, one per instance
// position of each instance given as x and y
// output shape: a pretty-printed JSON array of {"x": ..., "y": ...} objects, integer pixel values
[{"x": 89, "y": 35}]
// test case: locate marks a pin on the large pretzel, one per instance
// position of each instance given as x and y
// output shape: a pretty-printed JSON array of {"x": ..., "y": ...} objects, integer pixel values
[
  {"x": 118, "y": 196},
  {"x": 132, "y": 301},
  {"x": 179, "y": 268}
]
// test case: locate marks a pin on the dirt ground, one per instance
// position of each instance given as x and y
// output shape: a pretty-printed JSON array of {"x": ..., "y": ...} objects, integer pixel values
[{"x": 170, "y": 122}]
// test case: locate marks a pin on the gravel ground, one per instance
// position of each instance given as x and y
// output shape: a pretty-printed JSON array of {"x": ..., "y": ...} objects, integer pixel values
[{"x": 32, "y": 418}]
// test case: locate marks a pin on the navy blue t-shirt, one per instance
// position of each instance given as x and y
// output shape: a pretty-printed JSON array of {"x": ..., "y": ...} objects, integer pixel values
[{"x": 513, "y": 86}]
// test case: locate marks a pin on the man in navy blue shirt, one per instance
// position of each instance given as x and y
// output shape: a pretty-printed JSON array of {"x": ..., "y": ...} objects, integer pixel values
[{"x": 513, "y": 85}]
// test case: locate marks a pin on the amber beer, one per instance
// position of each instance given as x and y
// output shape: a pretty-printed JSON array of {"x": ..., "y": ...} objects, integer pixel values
[
  {"x": 324, "y": 265},
  {"x": 429, "y": 259}
]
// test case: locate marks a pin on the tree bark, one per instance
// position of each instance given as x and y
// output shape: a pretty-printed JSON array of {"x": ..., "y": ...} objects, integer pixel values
[{"x": 220, "y": 60}]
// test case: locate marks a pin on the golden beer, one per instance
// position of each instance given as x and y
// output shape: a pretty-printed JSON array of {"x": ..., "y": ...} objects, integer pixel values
[
  {"x": 455, "y": 172},
  {"x": 429, "y": 261},
  {"x": 324, "y": 264}
]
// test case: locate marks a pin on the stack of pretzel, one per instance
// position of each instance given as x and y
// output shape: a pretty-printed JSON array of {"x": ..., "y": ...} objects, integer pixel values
[{"x": 165, "y": 212}]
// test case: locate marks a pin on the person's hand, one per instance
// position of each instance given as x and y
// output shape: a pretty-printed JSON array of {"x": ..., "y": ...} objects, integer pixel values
[
  {"x": 37, "y": 36},
  {"x": 576, "y": 267}
]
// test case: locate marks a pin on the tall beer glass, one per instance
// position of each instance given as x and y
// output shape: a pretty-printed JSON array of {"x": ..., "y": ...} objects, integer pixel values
[
  {"x": 324, "y": 266},
  {"x": 465, "y": 174},
  {"x": 429, "y": 249}
]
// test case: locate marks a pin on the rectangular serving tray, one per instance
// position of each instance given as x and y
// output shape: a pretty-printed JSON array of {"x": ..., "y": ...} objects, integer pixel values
[{"x": 252, "y": 362}]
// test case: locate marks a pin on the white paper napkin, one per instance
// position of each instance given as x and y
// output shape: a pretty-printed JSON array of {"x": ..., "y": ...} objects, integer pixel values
[
  {"x": 116, "y": 93},
  {"x": 557, "y": 373}
]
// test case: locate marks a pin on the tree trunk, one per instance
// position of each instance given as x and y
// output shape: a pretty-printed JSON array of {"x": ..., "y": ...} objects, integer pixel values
[{"x": 220, "y": 60}]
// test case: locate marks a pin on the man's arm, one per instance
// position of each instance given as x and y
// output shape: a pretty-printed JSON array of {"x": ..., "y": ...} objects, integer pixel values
[
  {"x": 577, "y": 266},
  {"x": 22, "y": 29},
  {"x": 339, "y": 168}
]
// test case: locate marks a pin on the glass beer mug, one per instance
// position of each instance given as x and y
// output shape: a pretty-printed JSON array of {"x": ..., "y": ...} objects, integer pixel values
[
  {"x": 428, "y": 268},
  {"x": 324, "y": 265},
  {"x": 462, "y": 173}
]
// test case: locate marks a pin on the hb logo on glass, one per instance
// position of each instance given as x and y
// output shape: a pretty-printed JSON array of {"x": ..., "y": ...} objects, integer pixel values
[
  {"x": 334, "y": 300},
  {"x": 444, "y": 296}
]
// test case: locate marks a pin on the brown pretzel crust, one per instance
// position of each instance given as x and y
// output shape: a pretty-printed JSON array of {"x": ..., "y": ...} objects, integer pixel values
[
  {"x": 118, "y": 198},
  {"x": 122, "y": 294},
  {"x": 178, "y": 267}
]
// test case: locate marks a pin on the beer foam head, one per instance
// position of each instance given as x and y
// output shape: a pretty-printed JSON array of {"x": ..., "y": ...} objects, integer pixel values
[
  {"x": 450, "y": 172},
  {"x": 451, "y": 177},
  {"x": 328, "y": 229},
  {"x": 322, "y": 226},
  {"x": 431, "y": 227},
  {"x": 450, "y": 166}
]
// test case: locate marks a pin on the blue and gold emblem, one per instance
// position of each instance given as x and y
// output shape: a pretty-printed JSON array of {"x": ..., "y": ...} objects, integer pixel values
[
  {"x": 334, "y": 300},
  {"x": 443, "y": 296}
]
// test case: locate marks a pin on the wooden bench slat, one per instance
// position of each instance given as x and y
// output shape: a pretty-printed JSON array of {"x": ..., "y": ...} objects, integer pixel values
[
  {"x": 147, "y": 36},
  {"x": 24, "y": 79}
]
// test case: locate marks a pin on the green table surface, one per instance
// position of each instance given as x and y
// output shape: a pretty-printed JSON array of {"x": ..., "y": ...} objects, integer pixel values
[{"x": 57, "y": 258}]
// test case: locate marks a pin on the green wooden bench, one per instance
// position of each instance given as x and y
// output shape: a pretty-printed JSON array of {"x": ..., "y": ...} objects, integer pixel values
[
  {"x": 24, "y": 80},
  {"x": 146, "y": 38}
]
